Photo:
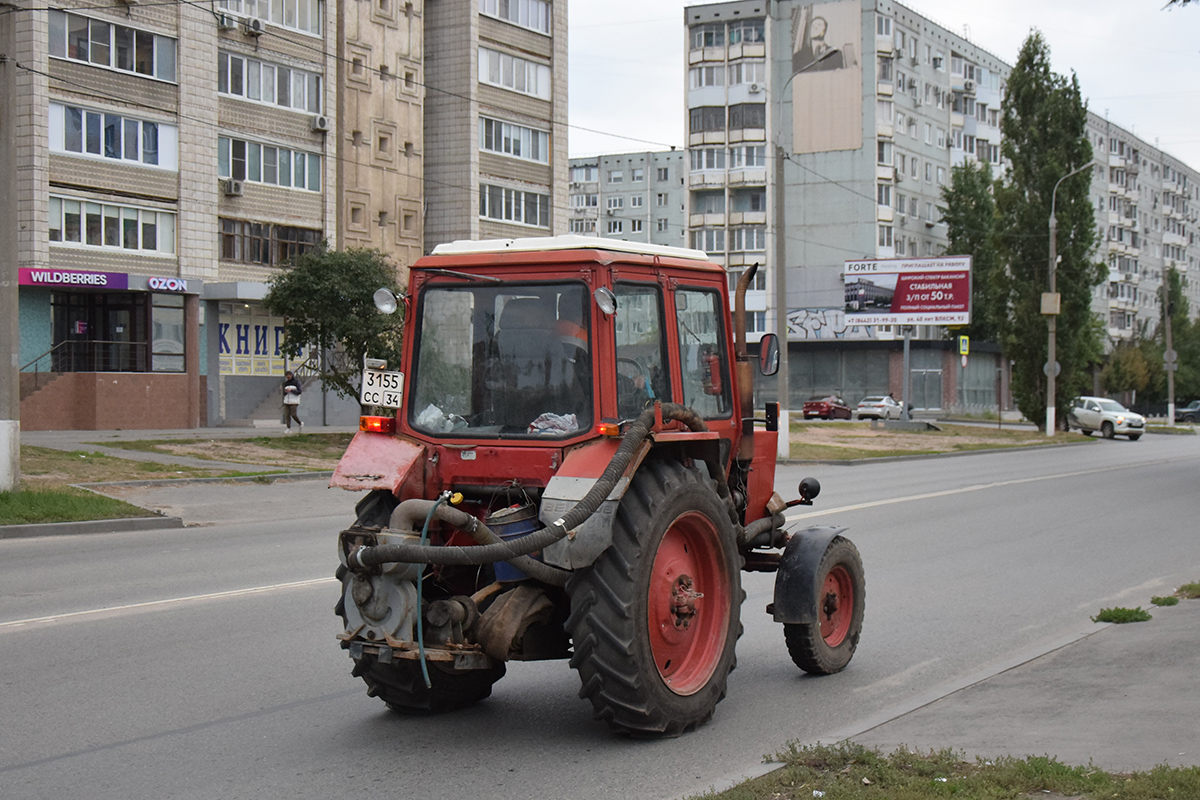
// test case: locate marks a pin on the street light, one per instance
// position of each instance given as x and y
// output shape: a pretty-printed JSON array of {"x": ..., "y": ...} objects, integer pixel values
[{"x": 1051, "y": 303}]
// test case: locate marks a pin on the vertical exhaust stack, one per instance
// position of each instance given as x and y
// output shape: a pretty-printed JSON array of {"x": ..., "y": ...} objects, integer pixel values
[{"x": 743, "y": 369}]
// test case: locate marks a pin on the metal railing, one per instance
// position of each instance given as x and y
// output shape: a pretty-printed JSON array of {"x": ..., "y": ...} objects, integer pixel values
[{"x": 96, "y": 355}]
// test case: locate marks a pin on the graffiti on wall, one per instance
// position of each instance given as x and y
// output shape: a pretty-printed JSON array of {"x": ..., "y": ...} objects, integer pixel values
[{"x": 825, "y": 323}]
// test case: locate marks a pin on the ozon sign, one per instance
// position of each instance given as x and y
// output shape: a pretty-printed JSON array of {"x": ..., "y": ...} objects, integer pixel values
[{"x": 167, "y": 284}]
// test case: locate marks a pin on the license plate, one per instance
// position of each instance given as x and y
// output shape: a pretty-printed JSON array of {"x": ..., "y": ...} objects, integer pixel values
[{"x": 381, "y": 388}]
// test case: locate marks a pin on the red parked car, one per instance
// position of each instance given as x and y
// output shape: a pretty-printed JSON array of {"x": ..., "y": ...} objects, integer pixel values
[{"x": 826, "y": 407}]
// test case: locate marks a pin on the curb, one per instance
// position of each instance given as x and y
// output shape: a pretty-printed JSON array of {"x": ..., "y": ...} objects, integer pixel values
[
  {"x": 89, "y": 526},
  {"x": 266, "y": 477},
  {"x": 856, "y": 462}
]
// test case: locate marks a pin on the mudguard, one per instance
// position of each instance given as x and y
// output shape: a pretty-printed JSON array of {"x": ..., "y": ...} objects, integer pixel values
[{"x": 796, "y": 580}]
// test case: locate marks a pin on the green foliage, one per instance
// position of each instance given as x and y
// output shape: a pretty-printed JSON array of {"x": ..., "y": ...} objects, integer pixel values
[
  {"x": 970, "y": 215},
  {"x": 1164, "y": 601},
  {"x": 62, "y": 505},
  {"x": 1044, "y": 139},
  {"x": 848, "y": 770},
  {"x": 1189, "y": 591},
  {"x": 325, "y": 298},
  {"x": 1121, "y": 615},
  {"x": 1128, "y": 369}
]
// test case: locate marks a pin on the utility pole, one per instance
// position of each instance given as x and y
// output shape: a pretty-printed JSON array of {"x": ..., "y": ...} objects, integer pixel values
[
  {"x": 1170, "y": 357},
  {"x": 10, "y": 329}
]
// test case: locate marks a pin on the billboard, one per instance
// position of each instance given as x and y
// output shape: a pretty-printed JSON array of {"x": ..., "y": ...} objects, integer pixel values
[
  {"x": 908, "y": 291},
  {"x": 827, "y": 79}
]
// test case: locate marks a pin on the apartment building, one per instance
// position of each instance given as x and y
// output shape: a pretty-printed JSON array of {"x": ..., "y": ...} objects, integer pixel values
[
  {"x": 1146, "y": 214},
  {"x": 636, "y": 197},
  {"x": 847, "y": 118},
  {"x": 179, "y": 155}
]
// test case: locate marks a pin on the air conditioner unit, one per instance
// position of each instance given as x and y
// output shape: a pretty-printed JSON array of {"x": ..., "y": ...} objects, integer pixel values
[
  {"x": 912, "y": 83},
  {"x": 912, "y": 60},
  {"x": 899, "y": 177},
  {"x": 227, "y": 22},
  {"x": 755, "y": 88},
  {"x": 254, "y": 27},
  {"x": 903, "y": 221},
  {"x": 234, "y": 188},
  {"x": 917, "y": 102},
  {"x": 969, "y": 86},
  {"x": 612, "y": 211},
  {"x": 320, "y": 123}
]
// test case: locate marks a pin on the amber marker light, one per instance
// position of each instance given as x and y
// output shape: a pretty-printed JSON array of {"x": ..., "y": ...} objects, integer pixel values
[
  {"x": 377, "y": 424},
  {"x": 610, "y": 429}
]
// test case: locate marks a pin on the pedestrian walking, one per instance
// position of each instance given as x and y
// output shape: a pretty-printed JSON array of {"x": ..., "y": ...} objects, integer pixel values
[{"x": 291, "y": 400}]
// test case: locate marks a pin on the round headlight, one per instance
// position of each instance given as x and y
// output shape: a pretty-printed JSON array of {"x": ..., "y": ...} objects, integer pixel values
[{"x": 385, "y": 301}]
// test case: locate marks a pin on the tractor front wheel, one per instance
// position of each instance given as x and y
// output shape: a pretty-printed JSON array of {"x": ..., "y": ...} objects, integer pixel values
[
  {"x": 826, "y": 645},
  {"x": 655, "y": 620}
]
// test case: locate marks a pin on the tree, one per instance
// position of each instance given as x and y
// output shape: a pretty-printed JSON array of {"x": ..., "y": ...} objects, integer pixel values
[
  {"x": 970, "y": 216},
  {"x": 1127, "y": 371},
  {"x": 1044, "y": 139},
  {"x": 325, "y": 298}
]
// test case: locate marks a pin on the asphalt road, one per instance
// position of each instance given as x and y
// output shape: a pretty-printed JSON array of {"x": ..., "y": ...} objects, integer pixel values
[{"x": 201, "y": 663}]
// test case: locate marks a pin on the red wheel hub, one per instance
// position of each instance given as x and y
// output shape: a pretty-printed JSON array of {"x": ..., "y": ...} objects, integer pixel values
[
  {"x": 836, "y": 606},
  {"x": 688, "y": 604}
]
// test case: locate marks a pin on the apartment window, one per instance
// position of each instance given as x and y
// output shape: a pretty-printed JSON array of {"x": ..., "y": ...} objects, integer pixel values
[
  {"x": 264, "y": 163},
  {"x": 660, "y": 199},
  {"x": 708, "y": 202},
  {"x": 662, "y": 224},
  {"x": 583, "y": 226},
  {"x": 615, "y": 203},
  {"x": 106, "y": 44},
  {"x": 588, "y": 174},
  {"x": 707, "y": 158},
  {"x": 263, "y": 82},
  {"x": 616, "y": 176},
  {"x": 912, "y": 211},
  {"x": 941, "y": 176},
  {"x": 749, "y": 31},
  {"x": 757, "y": 284},
  {"x": 885, "y": 235},
  {"x": 615, "y": 226},
  {"x": 750, "y": 200},
  {"x": 103, "y": 135},
  {"x": 637, "y": 175},
  {"x": 513, "y": 73},
  {"x": 900, "y": 246},
  {"x": 710, "y": 34},
  {"x": 912, "y": 167},
  {"x": 514, "y": 205},
  {"x": 298, "y": 15},
  {"x": 883, "y": 152},
  {"x": 700, "y": 77},
  {"x": 263, "y": 243},
  {"x": 883, "y": 26},
  {"x": 928, "y": 172},
  {"x": 885, "y": 194},
  {"x": 748, "y": 71},
  {"x": 585, "y": 200},
  {"x": 748, "y": 115},
  {"x": 531, "y": 14},
  {"x": 663, "y": 174},
  {"x": 885, "y": 69},
  {"x": 941, "y": 137},
  {"x": 635, "y": 226},
  {"x": 635, "y": 201},
  {"x": 110, "y": 227},
  {"x": 706, "y": 118},
  {"x": 956, "y": 64},
  {"x": 513, "y": 140},
  {"x": 749, "y": 238},
  {"x": 710, "y": 240},
  {"x": 883, "y": 112},
  {"x": 748, "y": 156}
]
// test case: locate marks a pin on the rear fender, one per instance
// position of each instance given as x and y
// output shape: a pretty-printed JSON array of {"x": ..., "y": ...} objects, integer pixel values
[
  {"x": 376, "y": 461},
  {"x": 796, "y": 581}
]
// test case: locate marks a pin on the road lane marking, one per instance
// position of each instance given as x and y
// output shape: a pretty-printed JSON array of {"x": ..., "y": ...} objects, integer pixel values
[
  {"x": 153, "y": 604},
  {"x": 978, "y": 487}
]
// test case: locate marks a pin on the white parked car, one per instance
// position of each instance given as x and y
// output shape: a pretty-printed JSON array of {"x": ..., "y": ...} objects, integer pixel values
[
  {"x": 1090, "y": 414},
  {"x": 878, "y": 407}
]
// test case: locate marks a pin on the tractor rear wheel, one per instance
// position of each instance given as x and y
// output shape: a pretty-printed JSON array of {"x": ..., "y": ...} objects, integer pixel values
[
  {"x": 826, "y": 645},
  {"x": 655, "y": 619},
  {"x": 401, "y": 683}
]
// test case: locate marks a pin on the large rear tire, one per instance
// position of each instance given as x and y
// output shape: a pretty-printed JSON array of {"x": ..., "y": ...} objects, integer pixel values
[
  {"x": 401, "y": 683},
  {"x": 826, "y": 646},
  {"x": 655, "y": 619}
]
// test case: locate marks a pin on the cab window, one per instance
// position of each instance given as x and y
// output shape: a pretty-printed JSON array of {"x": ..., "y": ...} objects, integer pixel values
[
  {"x": 703, "y": 358},
  {"x": 642, "y": 374}
]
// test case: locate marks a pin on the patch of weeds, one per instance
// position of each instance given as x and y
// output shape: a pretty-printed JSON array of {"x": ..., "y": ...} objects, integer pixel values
[
  {"x": 1179, "y": 430},
  {"x": 1189, "y": 591},
  {"x": 1121, "y": 615},
  {"x": 66, "y": 505},
  {"x": 1165, "y": 601}
]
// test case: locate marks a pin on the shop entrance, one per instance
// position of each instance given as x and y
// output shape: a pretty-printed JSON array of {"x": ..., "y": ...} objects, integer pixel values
[{"x": 96, "y": 332}]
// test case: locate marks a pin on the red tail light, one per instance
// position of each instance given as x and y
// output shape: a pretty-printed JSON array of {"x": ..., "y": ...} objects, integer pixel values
[{"x": 377, "y": 424}]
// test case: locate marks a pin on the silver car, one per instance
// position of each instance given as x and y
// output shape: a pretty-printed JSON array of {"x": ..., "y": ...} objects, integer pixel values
[
  {"x": 878, "y": 407},
  {"x": 1090, "y": 414}
]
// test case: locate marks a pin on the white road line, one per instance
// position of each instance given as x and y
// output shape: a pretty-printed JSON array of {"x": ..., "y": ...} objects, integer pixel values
[
  {"x": 979, "y": 487},
  {"x": 153, "y": 604}
]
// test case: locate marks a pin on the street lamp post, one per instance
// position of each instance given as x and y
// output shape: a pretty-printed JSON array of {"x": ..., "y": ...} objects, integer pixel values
[{"x": 1051, "y": 306}]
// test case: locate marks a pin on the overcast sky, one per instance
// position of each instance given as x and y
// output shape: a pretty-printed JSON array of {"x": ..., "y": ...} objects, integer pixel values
[{"x": 1137, "y": 63}]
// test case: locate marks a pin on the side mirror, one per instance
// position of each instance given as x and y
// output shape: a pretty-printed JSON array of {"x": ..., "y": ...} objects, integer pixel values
[{"x": 768, "y": 354}]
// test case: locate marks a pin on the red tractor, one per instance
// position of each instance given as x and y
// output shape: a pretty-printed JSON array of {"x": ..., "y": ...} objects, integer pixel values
[{"x": 574, "y": 470}]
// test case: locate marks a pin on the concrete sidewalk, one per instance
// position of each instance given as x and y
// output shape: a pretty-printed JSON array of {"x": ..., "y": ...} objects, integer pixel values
[{"x": 1124, "y": 698}]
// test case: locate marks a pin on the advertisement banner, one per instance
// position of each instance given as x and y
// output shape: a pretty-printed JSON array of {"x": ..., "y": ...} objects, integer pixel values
[
  {"x": 72, "y": 279},
  {"x": 251, "y": 342},
  {"x": 914, "y": 291},
  {"x": 827, "y": 80}
]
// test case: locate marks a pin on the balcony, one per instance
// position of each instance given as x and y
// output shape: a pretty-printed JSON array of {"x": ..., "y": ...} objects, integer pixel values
[
  {"x": 747, "y": 218},
  {"x": 709, "y": 178},
  {"x": 748, "y": 177}
]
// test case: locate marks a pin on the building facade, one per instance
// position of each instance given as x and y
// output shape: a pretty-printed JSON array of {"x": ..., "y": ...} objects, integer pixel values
[
  {"x": 846, "y": 117},
  {"x": 636, "y": 197},
  {"x": 181, "y": 155}
]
